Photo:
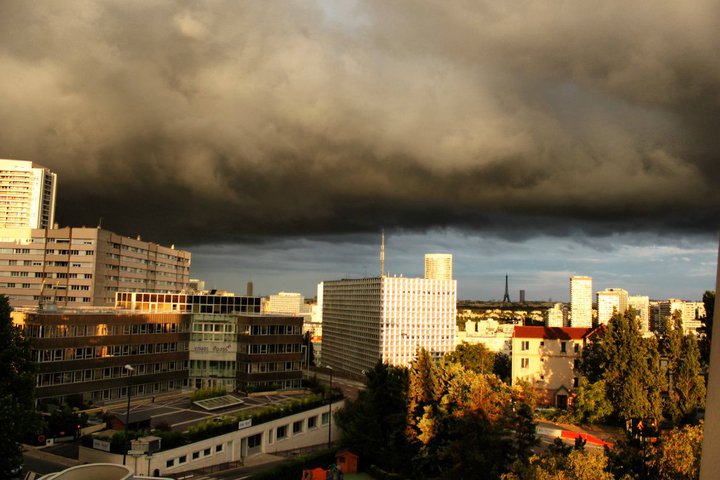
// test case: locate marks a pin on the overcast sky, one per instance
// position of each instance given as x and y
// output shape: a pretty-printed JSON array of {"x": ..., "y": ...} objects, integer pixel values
[{"x": 275, "y": 139}]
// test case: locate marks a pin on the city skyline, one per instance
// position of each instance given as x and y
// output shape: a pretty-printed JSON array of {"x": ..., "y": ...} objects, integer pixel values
[{"x": 276, "y": 140}]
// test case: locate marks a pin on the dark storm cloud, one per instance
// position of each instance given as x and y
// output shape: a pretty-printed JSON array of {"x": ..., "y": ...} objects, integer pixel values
[{"x": 197, "y": 122}]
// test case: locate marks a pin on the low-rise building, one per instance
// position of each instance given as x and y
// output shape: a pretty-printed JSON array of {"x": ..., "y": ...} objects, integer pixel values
[
  {"x": 495, "y": 336},
  {"x": 548, "y": 358}
]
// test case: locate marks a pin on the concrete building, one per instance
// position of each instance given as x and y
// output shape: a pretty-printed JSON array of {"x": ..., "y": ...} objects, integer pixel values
[
  {"x": 549, "y": 358},
  {"x": 691, "y": 312},
  {"x": 581, "y": 297},
  {"x": 27, "y": 195},
  {"x": 285, "y": 302},
  {"x": 81, "y": 352},
  {"x": 232, "y": 344},
  {"x": 386, "y": 318},
  {"x": 641, "y": 305},
  {"x": 438, "y": 266},
  {"x": 609, "y": 302},
  {"x": 79, "y": 267},
  {"x": 556, "y": 316},
  {"x": 495, "y": 336}
]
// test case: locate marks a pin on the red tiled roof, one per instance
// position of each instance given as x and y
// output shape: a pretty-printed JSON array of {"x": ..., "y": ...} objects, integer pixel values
[{"x": 551, "y": 333}]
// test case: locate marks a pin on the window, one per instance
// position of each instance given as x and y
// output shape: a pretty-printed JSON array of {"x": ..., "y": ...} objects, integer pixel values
[
  {"x": 524, "y": 363},
  {"x": 170, "y": 463},
  {"x": 325, "y": 418},
  {"x": 576, "y": 382},
  {"x": 312, "y": 422},
  {"x": 525, "y": 345},
  {"x": 207, "y": 451},
  {"x": 182, "y": 459},
  {"x": 297, "y": 427},
  {"x": 254, "y": 441},
  {"x": 281, "y": 432},
  {"x": 576, "y": 364},
  {"x": 576, "y": 348},
  {"x": 196, "y": 455},
  {"x": 563, "y": 347},
  {"x": 218, "y": 448}
]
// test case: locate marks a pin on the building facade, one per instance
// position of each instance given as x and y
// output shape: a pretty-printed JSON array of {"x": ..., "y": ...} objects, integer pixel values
[
  {"x": 285, "y": 302},
  {"x": 438, "y": 266},
  {"x": 80, "y": 267},
  {"x": 27, "y": 195},
  {"x": 581, "y": 297},
  {"x": 609, "y": 302},
  {"x": 555, "y": 316},
  {"x": 549, "y": 358},
  {"x": 81, "y": 353},
  {"x": 495, "y": 336},
  {"x": 641, "y": 305},
  {"x": 388, "y": 319},
  {"x": 232, "y": 344}
]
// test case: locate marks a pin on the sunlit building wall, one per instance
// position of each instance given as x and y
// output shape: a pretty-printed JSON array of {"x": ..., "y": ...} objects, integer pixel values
[
  {"x": 388, "y": 319},
  {"x": 641, "y": 305},
  {"x": 581, "y": 297},
  {"x": 609, "y": 302},
  {"x": 438, "y": 266},
  {"x": 27, "y": 195}
]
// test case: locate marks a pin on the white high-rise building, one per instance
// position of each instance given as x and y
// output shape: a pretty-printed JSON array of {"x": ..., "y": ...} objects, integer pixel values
[
  {"x": 285, "y": 302},
  {"x": 556, "y": 316},
  {"x": 438, "y": 266},
  {"x": 581, "y": 301},
  {"x": 641, "y": 305},
  {"x": 609, "y": 302},
  {"x": 27, "y": 195},
  {"x": 388, "y": 319}
]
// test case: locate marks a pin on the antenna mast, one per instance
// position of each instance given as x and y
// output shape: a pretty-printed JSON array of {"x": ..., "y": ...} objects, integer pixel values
[{"x": 382, "y": 253}]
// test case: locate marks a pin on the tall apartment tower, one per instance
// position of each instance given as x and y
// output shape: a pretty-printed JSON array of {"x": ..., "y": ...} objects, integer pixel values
[
  {"x": 27, "y": 195},
  {"x": 386, "y": 318},
  {"x": 438, "y": 266},
  {"x": 581, "y": 294},
  {"x": 609, "y": 302},
  {"x": 641, "y": 305}
]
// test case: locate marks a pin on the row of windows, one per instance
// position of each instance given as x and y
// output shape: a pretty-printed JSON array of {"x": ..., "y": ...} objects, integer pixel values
[
  {"x": 261, "y": 349},
  {"x": 89, "y": 375},
  {"x": 183, "y": 459},
  {"x": 270, "y": 367},
  {"x": 276, "y": 330},
  {"x": 83, "y": 353},
  {"x": 61, "y": 331}
]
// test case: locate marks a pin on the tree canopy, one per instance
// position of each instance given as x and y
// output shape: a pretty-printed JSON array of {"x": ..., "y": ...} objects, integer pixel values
[{"x": 17, "y": 391}]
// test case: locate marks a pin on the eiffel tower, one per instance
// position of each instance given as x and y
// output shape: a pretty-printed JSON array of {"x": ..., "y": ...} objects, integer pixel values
[{"x": 506, "y": 298}]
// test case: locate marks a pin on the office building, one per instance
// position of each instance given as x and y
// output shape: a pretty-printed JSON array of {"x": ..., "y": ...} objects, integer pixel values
[
  {"x": 690, "y": 312},
  {"x": 549, "y": 359},
  {"x": 386, "y": 318},
  {"x": 231, "y": 343},
  {"x": 581, "y": 302},
  {"x": 641, "y": 305},
  {"x": 285, "y": 302},
  {"x": 27, "y": 195},
  {"x": 609, "y": 302},
  {"x": 438, "y": 266},
  {"x": 81, "y": 353},
  {"x": 79, "y": 267}
]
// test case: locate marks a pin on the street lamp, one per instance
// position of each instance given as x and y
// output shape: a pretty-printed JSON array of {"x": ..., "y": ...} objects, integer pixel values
[
  {"x": 130, "y": 370},
  {"x": 330, "y": 409}
]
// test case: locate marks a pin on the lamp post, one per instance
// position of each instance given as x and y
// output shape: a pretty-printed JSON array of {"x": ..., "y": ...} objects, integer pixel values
[
  {"x": 330, "y": 409},
  {"x": 130, "y": 371}
]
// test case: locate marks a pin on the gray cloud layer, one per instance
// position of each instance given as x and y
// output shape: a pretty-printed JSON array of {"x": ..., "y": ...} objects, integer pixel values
[{"x": 198, "y": 122}]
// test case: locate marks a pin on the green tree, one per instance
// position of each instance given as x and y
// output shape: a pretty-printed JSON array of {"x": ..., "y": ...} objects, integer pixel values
[
  {"x": 373, "y": 425},
  {"x": 688, "y": 386},
  {"x": 591, "y": 404},
  {"x": 475, "y": 357},
  {"x": 424, "y": 393},
  {"x": 631, "y": 369},
  {"x": 577, "y": 465},
  {"x": 503, "y": 366},
  {"x": 705, "y": 329},
  {"x": 17, "y": 391},
  {"x": 677, "y": 455}
]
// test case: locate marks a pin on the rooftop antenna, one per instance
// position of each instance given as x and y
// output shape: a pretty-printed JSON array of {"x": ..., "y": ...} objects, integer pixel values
[
  {"x": 506, "y": 298},
  {"x": 382, "y": 253}
]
